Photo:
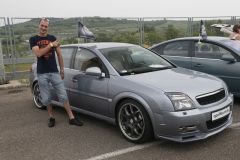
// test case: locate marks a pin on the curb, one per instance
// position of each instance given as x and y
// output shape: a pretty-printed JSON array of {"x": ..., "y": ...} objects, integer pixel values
[{"x": 13, "y": 84}]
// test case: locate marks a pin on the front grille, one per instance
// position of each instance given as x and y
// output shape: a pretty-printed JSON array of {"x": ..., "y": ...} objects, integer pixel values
[
  {"x": 214, "y": 124},
  {"x": 211, "y": 97}
]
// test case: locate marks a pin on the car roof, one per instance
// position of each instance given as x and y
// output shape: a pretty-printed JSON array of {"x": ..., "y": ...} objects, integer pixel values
[
  {"x": 225, "y": 41},
  {"x": 212, "y": 38},
  {"x": 99, "y": 45},
  {"x": 209, "y": 38}
]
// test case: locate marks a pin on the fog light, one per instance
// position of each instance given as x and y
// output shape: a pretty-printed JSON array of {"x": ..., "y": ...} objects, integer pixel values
[{"x": 187, "y": 129}]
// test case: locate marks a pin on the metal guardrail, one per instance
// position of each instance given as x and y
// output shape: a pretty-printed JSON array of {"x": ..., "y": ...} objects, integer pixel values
[
  {"x": 17, "y": 75},
  {"x": 19, "y": 60}
]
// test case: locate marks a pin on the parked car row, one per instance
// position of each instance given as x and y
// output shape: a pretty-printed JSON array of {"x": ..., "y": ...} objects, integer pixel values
[{"x": 144, "y": 94}]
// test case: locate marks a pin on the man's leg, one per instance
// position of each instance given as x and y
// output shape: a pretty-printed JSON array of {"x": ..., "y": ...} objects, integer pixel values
[
  {"x": 50, "y": 110},
  {"x": 51, "y": 121},
  {"x": 72, "y": 119},
  {"x": 68, "y": 109},
  {"x": 43, "y": 81},
  {"x": 58, "y": 85}
]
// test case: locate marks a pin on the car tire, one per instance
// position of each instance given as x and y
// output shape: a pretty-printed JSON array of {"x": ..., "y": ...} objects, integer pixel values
[
  {"x": 134, "y": 122},
  {"x": 37, "y": 97}
]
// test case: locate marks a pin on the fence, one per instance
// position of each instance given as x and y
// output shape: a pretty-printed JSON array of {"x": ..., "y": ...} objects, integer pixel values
[
  {"x": 15, "y": 33},
  {"x": 2, "y": 74}
]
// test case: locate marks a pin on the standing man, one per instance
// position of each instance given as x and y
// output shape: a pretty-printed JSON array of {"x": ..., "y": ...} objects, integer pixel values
[{"x": 44, "y": 47}]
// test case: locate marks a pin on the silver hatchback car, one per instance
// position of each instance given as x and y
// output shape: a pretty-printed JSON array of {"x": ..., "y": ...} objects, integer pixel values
[{"x": 144, "y": 94}]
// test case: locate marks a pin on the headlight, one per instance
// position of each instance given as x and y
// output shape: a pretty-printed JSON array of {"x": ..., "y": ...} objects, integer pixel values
[
  {"x": 180, "y": 101},
  {"x": 226, "y": 89}
]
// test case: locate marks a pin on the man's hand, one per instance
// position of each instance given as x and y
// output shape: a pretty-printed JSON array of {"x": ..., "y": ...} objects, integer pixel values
[
  {"x": 62, "y": 73},
  {"x": 56, "y": 43}
]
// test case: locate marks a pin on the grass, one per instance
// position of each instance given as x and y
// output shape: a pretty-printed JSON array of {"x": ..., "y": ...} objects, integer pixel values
[
  {"x": 24, "y": 82},
  {"x": 18, "y": 67}
]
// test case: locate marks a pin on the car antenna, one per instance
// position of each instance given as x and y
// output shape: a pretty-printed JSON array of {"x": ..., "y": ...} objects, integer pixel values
[{"x": 78, "y": 39}]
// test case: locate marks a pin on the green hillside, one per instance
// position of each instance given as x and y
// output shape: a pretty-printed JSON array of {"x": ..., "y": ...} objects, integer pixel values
[{"x": 60, "y": 26}]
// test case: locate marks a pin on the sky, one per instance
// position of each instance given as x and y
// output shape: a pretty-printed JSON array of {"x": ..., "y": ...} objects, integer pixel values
[{"x": 118, "y": 8}]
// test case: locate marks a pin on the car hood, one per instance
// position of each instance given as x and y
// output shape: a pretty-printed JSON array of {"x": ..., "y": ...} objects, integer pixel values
[{"x": 178, "y": 80}]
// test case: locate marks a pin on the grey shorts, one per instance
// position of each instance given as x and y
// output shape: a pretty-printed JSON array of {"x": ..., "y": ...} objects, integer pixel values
[{"x": 46, "y": 82}]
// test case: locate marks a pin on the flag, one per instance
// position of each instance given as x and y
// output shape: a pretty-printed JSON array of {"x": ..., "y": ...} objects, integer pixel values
[
  {"x": 203, "y": 32},
  {"x": 84, "y": 32}
]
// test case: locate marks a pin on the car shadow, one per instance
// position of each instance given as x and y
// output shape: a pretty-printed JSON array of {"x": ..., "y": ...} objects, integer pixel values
[
  {"x": 236, "y": 100},
  {"x": 88, "y": 119}
]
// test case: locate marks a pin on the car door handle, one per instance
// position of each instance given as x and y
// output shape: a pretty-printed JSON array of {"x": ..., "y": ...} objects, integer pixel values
[{"x": 74, "y": 80}]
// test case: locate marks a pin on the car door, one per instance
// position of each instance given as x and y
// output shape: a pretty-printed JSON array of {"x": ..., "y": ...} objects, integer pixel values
[
  {"x": 177, "y": 52},
  {"x": 88, "y": 92},
  {"x": 209, "y": 59}
]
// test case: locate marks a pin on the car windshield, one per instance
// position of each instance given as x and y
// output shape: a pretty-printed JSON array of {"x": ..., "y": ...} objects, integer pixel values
[
  {"x": 235, "y": 44},
  {"x": 134, "y": 60}
]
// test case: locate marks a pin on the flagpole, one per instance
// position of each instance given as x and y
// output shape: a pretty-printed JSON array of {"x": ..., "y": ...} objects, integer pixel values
[{"x": 78, "y": 42}]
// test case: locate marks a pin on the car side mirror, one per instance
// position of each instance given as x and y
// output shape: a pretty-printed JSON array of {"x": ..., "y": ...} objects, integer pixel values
[
  {"x": 95, "y": 71},
  {"x": 228, "y": 58}
]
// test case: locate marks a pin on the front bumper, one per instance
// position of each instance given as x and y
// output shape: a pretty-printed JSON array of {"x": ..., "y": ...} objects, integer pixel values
[{"x": 192, "y": 125}]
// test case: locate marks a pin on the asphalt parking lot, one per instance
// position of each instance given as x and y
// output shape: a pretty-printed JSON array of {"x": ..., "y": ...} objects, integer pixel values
[{"x": 24, "y": 135}]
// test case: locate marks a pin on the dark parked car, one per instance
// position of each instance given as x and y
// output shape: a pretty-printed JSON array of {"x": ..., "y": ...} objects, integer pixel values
[
  {"x": 142, "y": 93},
  {"x": 219, "y": 56}
]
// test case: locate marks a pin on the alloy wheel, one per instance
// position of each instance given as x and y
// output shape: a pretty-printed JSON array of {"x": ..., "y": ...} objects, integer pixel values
[
  {"x": 131, "y": 121},
  {"x": 37, "y": 97}
]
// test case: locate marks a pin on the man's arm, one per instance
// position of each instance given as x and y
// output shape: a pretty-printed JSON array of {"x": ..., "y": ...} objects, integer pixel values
[
  {"x": 60, "y": 61},
  {"x": 40, "y": 52},
  {"x": 238, "y": 37}
]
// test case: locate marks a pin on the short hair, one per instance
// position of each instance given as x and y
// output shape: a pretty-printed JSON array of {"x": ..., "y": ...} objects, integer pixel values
[
  {"x": 236, "y": 27},
  {"x": 43, "y": 19}
]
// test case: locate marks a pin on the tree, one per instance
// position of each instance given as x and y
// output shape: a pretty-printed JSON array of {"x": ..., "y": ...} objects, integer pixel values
[
  {"x": 171, "y": 32},
  {"x": 153, "y": 38},
  {"x": 127, "y": 37},
  {"x": 102, "y": 37},
  {"x": 148, "y": 28}
]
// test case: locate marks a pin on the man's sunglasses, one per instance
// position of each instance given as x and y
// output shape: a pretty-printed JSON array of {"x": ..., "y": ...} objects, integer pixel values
[{"x": 44, "y": 19}]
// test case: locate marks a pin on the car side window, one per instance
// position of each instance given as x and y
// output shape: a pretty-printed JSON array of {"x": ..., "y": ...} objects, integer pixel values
[
  {"x": 85, "y": 59},
  {"x": 179, "y": 48},
  {"x": 210, "y": 51},
  {"x": 67, "y": 56}
]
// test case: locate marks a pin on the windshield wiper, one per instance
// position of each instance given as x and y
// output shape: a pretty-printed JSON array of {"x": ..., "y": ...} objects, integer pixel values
[
  {"x": 144, "y": 70},
  {"x": 163, "y": 68}
]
